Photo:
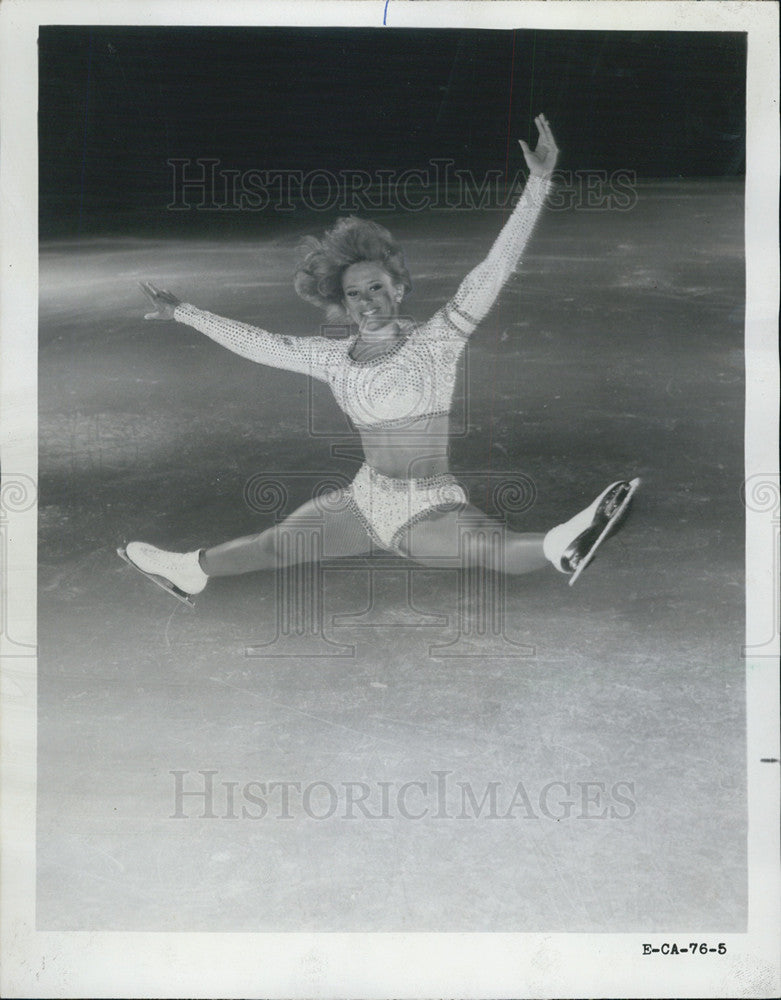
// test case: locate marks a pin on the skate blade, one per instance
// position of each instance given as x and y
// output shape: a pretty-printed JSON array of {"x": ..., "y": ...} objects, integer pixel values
[
  {"x": 160, "y": 581},
  {"x": 608, "y": 530}
]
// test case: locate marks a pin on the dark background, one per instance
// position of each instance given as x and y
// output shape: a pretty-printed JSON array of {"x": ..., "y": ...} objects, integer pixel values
[{"x": 117, "y": 103}]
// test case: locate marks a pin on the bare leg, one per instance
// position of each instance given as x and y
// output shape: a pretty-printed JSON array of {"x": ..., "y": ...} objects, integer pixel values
[
  {"x": 312, "y": 532},
  {"x": 467, "y": 536}
]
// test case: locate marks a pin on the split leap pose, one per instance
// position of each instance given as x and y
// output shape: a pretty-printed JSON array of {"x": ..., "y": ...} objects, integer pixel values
[{"x": 395, "y": 381}]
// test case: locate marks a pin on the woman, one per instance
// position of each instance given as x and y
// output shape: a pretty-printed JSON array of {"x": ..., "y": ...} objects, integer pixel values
[{"x": 395, "y": 381}]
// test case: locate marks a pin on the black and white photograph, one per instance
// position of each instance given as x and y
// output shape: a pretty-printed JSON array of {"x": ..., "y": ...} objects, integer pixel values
[{"x": 390, "y": 499}]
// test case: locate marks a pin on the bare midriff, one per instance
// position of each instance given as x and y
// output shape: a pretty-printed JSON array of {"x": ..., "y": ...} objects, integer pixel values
[{"x": 416, "y": 450}]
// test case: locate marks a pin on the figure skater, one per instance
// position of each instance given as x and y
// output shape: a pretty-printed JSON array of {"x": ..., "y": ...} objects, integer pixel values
[{"x": 395, "y": 381}]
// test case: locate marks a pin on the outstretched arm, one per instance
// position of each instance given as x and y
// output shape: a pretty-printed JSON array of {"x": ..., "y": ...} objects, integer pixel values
[
  {"x": 306, "y": 355},
  {"x": 481, "y": 287}
]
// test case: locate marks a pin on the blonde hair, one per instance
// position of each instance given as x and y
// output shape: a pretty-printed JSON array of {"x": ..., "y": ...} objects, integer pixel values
[{"x": 322, "y": 263}]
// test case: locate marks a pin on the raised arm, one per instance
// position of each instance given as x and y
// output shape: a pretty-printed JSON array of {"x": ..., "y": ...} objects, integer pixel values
[
  {"x": 307, "y": 355},
  {"x": 481, "y": 287}
]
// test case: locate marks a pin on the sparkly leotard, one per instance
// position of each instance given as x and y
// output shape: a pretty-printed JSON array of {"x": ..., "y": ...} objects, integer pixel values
[
  {"x": 413, "y": 380},
  {"x": 416, "y": 377}
]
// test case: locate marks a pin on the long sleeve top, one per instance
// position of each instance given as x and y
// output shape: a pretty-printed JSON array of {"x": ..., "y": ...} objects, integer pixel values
[{"x": 416, "y": 378}]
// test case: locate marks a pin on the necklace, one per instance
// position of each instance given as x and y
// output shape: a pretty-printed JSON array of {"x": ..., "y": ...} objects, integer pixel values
[{"x": 366, "y": 351}]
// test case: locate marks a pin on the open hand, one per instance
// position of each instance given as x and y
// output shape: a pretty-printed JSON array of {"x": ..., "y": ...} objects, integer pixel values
[
  {"x": 542, "y": 161},
  {"x": 164, "y": 302}
]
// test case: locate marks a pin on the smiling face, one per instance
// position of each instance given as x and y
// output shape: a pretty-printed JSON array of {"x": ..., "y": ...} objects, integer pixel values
[{"x": 371, "y": 297}]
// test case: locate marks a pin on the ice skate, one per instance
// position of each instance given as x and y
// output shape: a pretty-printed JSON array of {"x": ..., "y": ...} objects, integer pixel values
[
  {"x": 573, "y": 545},
  {"x": 177, "y": 573}
]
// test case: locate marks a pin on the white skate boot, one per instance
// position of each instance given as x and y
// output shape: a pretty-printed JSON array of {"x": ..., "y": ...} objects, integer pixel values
[
  {"x": 572, "y": 546},
  {"x": 179, "y": 573}
]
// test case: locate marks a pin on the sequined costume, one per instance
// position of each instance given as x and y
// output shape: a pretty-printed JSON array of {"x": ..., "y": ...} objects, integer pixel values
[
  {"x": 415, "y": 379},
  {"x": 387, "y": 507}
]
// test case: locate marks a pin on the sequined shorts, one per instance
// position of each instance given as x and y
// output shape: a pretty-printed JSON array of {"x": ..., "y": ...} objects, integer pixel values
[{"x": 389, "y": 506}]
